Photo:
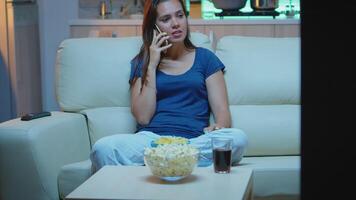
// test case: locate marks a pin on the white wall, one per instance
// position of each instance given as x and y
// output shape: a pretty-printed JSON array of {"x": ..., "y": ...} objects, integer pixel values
[{"x": 53, "y": 24}]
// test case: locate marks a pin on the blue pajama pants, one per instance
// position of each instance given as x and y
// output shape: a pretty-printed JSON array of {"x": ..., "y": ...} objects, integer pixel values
[{"x": 127, "y": 149}]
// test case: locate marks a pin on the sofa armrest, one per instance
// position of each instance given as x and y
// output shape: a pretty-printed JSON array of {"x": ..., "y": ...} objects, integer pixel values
[{"x": 32, "y": 153}]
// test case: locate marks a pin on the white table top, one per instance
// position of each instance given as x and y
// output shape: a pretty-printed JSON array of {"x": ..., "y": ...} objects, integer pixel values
[{"x": 137, "y": 182}]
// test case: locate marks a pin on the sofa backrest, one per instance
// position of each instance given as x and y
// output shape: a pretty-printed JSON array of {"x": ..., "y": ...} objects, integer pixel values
[
  {"x": 92, "y": 78},
  {"x": 263, "y": 83}
]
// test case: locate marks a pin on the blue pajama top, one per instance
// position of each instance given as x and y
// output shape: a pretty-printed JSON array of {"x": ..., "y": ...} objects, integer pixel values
[{"x": 182, "y": 107}]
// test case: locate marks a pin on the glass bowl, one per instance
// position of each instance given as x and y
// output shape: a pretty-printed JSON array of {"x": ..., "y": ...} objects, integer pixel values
[{"x": 171, "y": 162}]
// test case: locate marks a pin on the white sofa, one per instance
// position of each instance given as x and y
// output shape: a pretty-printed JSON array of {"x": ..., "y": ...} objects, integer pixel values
[{"x": 47, "y": 158}]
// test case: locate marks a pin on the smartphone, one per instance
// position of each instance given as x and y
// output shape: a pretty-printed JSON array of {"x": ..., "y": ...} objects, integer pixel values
[{"x": 159, "y": 31}]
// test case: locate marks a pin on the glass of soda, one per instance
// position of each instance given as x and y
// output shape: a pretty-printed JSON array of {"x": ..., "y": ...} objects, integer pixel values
[{"x": 222, "y": 148}]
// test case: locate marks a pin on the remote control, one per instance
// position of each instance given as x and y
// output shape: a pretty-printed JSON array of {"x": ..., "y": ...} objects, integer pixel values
[{"x": 31, "y": 116}]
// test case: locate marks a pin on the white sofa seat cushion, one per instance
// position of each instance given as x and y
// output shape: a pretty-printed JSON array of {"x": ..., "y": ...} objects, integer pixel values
[
  {"x": 72, "y": 175},
  {"x": 274, "y": 175},
  {"x": 276, "y": 131},
  {"x": 107, "y": 121},
  {"x": 271, "y": 129},
  {"x": 261, "y": 70}
]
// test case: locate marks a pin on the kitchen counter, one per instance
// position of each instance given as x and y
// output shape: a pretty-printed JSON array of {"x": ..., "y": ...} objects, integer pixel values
[
  {"x": 245, "y": 26},
  {"x": 136, "y": 22}
]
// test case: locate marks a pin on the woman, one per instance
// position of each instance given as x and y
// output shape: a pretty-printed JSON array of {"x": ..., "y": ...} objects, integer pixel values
[{"x": 174, "y": 86}]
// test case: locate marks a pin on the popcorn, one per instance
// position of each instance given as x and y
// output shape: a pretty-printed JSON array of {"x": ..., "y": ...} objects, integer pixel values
[
  {"x": 171, "y": 160},
  {"x": 170, "y": 140}
]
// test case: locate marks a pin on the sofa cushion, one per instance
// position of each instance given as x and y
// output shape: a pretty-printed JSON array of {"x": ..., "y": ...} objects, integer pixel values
[
  {"x": 261, "y": 70},
  {"x": 72, "y": 175},
  {"x": 108, "y": 121},
  {"x": 201, "y": 40},
  {"x": 274, "y": 175},
  {"x": 277, "y": 133},
  {"x": 94, "y": 72},
  {"x": 271, "y": 129}
]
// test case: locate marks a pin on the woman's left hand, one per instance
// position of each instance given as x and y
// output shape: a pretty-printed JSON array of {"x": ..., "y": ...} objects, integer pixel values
[{"x": 212, "y": 127}]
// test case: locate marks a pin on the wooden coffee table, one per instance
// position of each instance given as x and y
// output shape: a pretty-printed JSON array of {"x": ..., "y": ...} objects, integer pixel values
[{"x": 137, "y": 182}]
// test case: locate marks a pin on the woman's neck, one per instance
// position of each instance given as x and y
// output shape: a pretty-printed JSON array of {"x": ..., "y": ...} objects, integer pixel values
[{"x": 176, "y": 51}]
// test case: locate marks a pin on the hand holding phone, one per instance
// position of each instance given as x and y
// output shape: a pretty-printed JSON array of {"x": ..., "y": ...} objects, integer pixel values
[{"x": 159, "y": 31}]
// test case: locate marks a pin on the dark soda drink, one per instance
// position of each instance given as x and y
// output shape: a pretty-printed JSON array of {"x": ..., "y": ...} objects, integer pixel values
[{"x": 222, "y": 160}]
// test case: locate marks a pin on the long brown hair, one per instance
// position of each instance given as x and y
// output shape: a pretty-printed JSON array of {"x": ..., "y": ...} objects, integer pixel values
[{"x": 149, "y": 20}]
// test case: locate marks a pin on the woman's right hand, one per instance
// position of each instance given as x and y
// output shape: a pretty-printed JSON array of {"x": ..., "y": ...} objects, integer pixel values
[{"x": 156, "y": 48}]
